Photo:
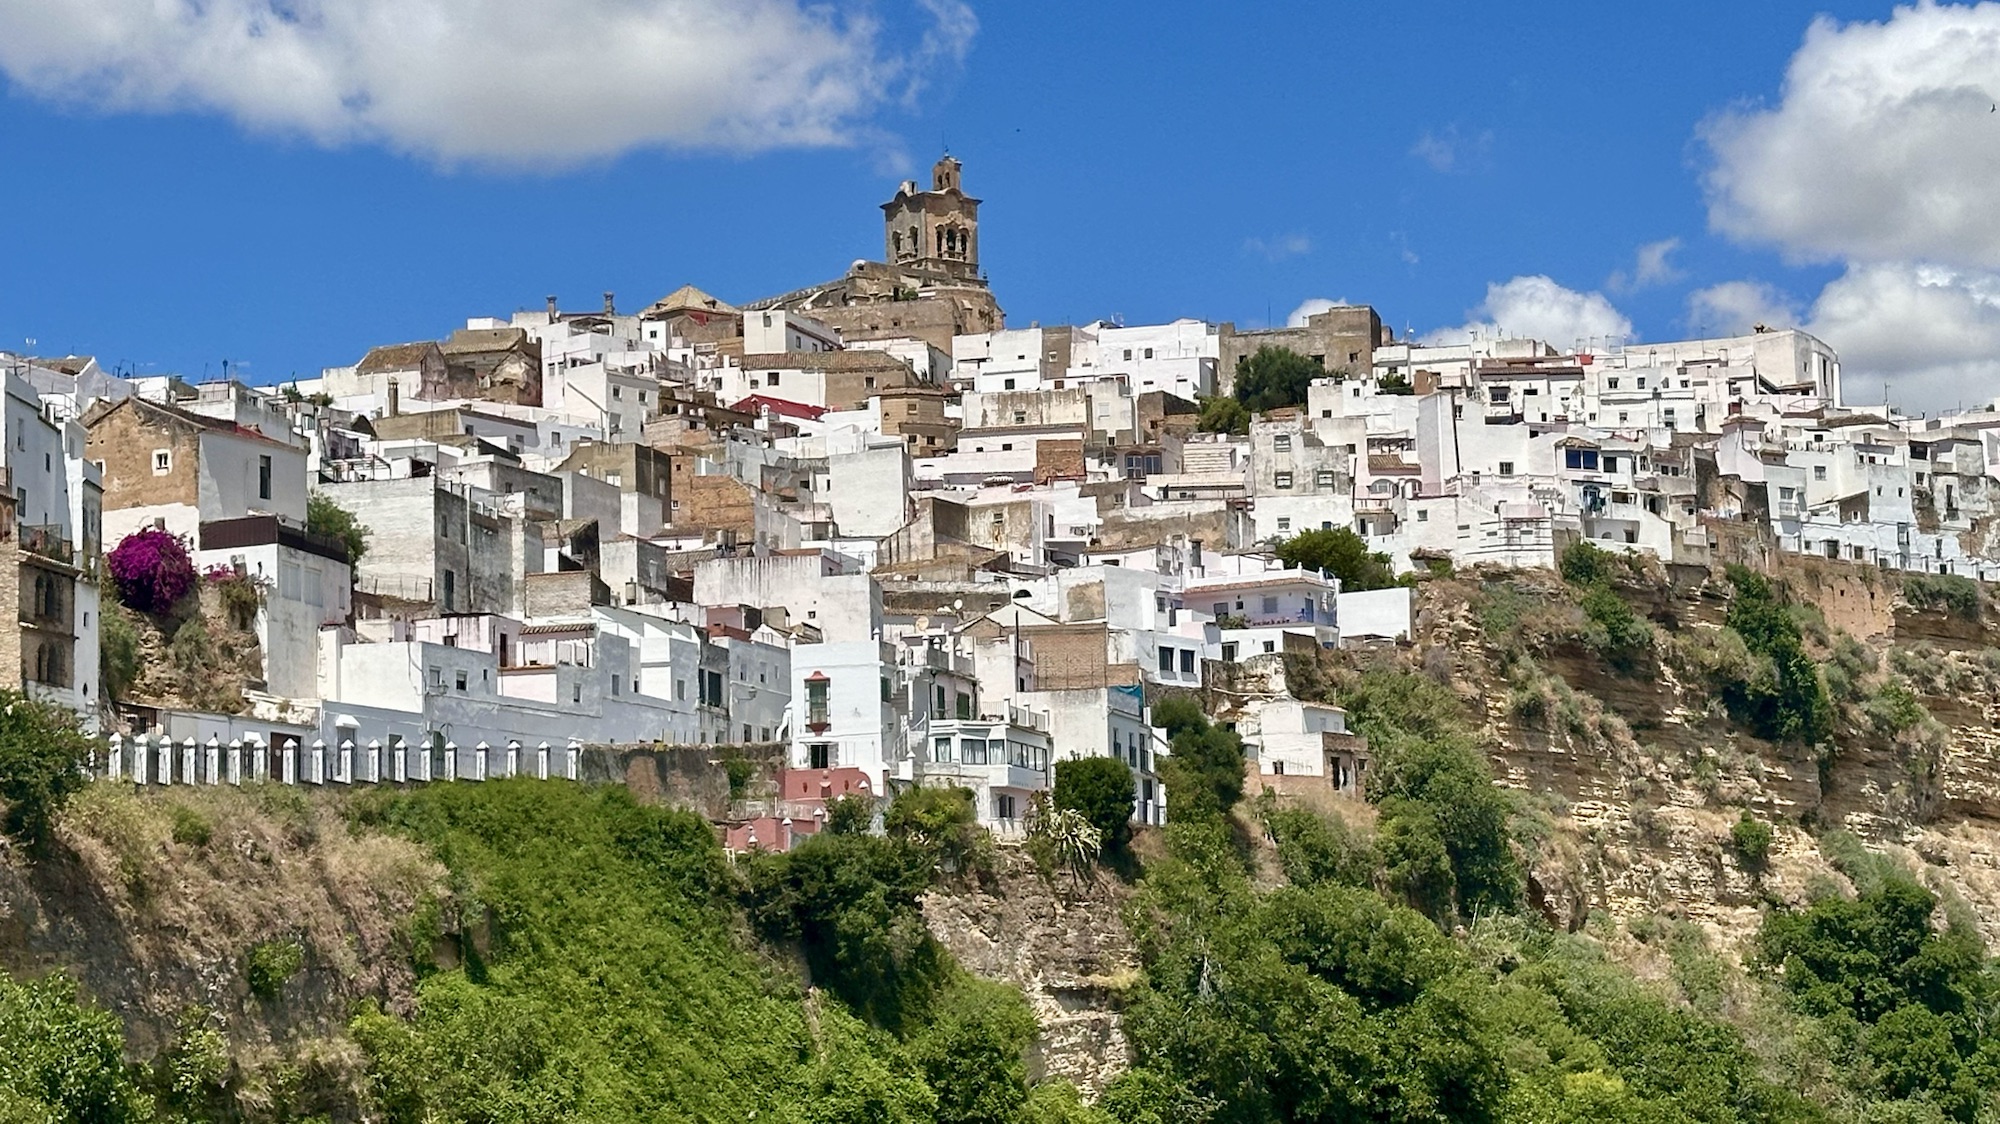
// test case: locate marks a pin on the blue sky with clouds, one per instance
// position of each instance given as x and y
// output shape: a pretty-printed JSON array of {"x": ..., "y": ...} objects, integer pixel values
[{"x": 284, "y": 185}]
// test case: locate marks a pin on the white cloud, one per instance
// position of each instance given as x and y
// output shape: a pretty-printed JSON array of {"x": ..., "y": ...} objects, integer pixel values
[
  {"x": 1931, "y": 334},
  {"x": 1884, "y": 146},
  {"x": 1311, "y": 306},
  {"x": 1449, "y": 150},
  {"x": 1651, "y": 265},
  {"x": 1538, "y": 308},
  {"x": 1734, "y": 308},
  {"x": 490, "y": 81},
  {"x": 1279, "y": 247}
]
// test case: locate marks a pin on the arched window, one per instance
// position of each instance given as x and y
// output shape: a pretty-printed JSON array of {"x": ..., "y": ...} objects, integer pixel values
[
  {"x": 940, "y": 243},
  {"x": 899, "y": 241}
]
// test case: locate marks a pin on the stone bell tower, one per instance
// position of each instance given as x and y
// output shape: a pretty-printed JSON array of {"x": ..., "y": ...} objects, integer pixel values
[{"x": 934, "y": 231}]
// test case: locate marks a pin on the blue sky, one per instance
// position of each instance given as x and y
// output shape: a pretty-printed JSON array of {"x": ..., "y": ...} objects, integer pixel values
[{"x": 1144, "y": 160}]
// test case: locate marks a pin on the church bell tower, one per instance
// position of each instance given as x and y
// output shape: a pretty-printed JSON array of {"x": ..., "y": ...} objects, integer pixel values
[{"x": 934, "y": 231}]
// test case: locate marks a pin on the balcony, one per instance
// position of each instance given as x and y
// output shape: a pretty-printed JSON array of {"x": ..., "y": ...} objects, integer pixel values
[{"x": 45, "y": 540}]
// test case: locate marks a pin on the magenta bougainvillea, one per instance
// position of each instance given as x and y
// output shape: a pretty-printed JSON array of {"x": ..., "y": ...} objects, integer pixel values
[{"x": 152, "y": 569}]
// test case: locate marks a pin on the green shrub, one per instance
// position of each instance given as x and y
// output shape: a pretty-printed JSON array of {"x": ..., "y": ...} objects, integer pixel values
[
  {"x": 191, "y": 828},
  {"x": 741, "y": 771},
  {"x": 1314, "y": 849},
  {"x": 1751, "y": 838},
  {"x": 43, "y": 755},
  {"x": 1585, "y": 564},
  {"x": 1950, "y": 593},
  {"x": 1893, "y": 709},
  {"x": 325, "y": 517},
  {"x": 1789, "y": 702},
  {"x": 1616, "y": 633},
  {"x": 1102, "y": 789},
  {"x": 271, "y": 964},
  {"x": 117, "y": 651}
]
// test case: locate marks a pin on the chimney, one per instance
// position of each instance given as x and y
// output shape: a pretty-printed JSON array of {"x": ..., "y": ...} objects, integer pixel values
[
  {"x": 395, "y": 398},
  {"x": 552, "y": 309},
  {"x": 609, "y": 310}
]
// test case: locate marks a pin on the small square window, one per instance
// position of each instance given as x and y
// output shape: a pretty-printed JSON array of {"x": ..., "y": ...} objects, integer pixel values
[
  {"x": 1282, "y": 442},
  {"x": 1282, "y": 480},
  {"x": 1506, "y": 468},
  {"x": 163, "y": 461},
  {"x": 1284, "y": 522}
]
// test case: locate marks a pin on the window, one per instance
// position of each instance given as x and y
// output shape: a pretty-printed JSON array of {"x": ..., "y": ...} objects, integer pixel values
[
  {"x": 1506, "y": 468},
  {"x": 1007, "y": 385},
  {"x": 1819, "y": 472},
  {"x": 1282, "y": 442},
  {"x": 1284, "y": 522},
  {"x": 816, "y": 704},
  {"x": 1270, "y": 606},
  {"x": 941, "y": 750},
  {"x": 1270, "y": 646},
  {"x": 1187, "y": 661},
  {"x": 163, "y": 462},
  {"x": 1003, "y": 806},
  {"x": 1229, "y": 652},
  {"x": 938, "y": 698},
  {"x": 1278, "y": 768},
  {"x": 1611, "y": 384},
  {"x": 972, "y": 751},
  {"x": 1128, "y": 354},
  {"x": 819, "y": 755},
  {"x": 1282, "y": 480},
  {"x": 1324, "y": 478},
  {"x": 460, "y": 681},
  {"x": 964, "y": 706},
  {"x": 1166, "y": 659},
  {"x": 1149, "y": 353}
]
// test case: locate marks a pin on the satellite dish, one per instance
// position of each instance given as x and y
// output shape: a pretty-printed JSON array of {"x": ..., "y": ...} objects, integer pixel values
[
  {"x": 957, "y": 604},
  {"x": 923, "y": 624}
]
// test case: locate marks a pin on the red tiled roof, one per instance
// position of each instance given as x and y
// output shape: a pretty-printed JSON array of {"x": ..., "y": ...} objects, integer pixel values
[{"x": 758, "y": 403}]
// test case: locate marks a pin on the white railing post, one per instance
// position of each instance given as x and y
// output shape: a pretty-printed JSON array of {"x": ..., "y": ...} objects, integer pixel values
[
  {"x": 343, "y": 763},
  {"x": 258, "y": 768},
  {"x": 288, "y": 765},
  {"x": 424, "y": 759},
  {"x": 114, "y": 757},
  {"x": 513, "y": 759},
  {"x": 451, "y": 761},
  {"x": 189, "y": 748},
  {"x": 212, "y": 763},
  {"x": 573, "y": 761},
  {"x": 374, "y": 761},
  {"x": 542, "y": 762},
  {"x": 233, "y": 767},
  {"x": 399, "y": 759},
  {"x": 316, "y": 762},
  {"x": 479, "y": 752}
]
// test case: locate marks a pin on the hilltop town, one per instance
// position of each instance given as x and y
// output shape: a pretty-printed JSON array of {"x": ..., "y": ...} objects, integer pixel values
[{"x": 869, "y": 529}]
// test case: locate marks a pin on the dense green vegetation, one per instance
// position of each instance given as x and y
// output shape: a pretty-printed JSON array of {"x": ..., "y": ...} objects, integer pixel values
[
  {"x": 1101, "y": 788},
  {"x": 1782, "y": 698},
  {"x": 1273, "y": 378},
  {"x": 43, "y": 752},
  {"x": 326, "y": 517},
  {"x": 597, "y": 960},
  {"x": 1614, "y": 631},
  {"x": 1342, "y": 553}
]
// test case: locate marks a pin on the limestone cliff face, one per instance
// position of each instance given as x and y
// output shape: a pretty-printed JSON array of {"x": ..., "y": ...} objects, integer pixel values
[
  {"x": 1642, "y": 777},
  {"x": 1067, "y": 951}
]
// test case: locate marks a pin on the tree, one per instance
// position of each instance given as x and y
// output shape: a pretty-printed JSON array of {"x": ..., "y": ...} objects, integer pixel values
[
  {"x": 325, "y": 517},
  {"x": 43, "y": 754},
  {"x": 152, "y": 570},
  {"x": 1101, "y": 789},
  {"x": 1204, "y": 774},
  {"x": 1274, "y": 378},
  {"x": 118, "y": 652},
  {"x": 1223, "y": 414},
  {"x": 1342, "y": 553},
  {"x": 971, "y": 1052}
]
